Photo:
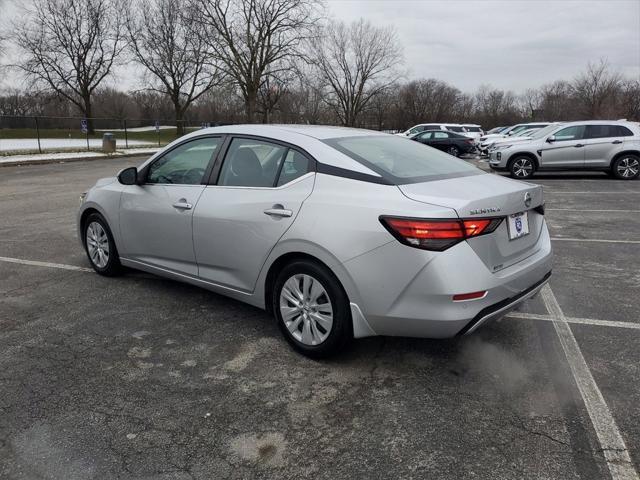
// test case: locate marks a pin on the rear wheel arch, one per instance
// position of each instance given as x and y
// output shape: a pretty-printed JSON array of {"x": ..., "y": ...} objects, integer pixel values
[
  {"x": 623, "y": 153},
  {"x": 282, "y": 261}
]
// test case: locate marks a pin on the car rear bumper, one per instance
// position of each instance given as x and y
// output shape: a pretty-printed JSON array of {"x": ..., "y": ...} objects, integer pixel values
[{"x": 403, "y": 291}]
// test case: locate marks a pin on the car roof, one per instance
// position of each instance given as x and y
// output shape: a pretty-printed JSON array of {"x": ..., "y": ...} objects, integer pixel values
[
  {"x": 600, "y": 122},
  {"x": 320, "y": 132}
]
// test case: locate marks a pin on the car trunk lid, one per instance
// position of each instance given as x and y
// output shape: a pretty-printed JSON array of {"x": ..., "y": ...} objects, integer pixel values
[{"x": 485, "y": 196}]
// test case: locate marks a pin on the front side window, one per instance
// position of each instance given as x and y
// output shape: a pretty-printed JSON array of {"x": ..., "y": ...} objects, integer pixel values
[
  {"x": 399, "y": 161},
  {"x": 569, "y": 133},
  {"x": 185, "y": 164},
  {"x": 251, "y": 163}
]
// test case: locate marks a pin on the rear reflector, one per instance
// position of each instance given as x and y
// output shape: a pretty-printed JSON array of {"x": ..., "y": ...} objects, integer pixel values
[
  {"x": 469, "y": 296},
  {"x": 437, "y": 234}
]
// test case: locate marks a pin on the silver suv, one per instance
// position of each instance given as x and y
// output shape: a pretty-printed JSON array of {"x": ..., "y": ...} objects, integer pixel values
[{"x": 611, "y": 146}]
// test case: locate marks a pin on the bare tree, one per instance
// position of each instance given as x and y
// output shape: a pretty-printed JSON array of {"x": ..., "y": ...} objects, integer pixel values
[
  {"x": 173, "y": 49},
  {"x": 70, "y": 46},
  {"x": 531, "y": 101},
  {"x": 356, "y": 62},
  {"x": 595, "y": 89},
  {"x": 255, "y": 39}
]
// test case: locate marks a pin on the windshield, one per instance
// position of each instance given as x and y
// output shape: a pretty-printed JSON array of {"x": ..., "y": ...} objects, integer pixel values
[
  {"x": 401, "y": 160},
  {"x": 544, "y": 131}
]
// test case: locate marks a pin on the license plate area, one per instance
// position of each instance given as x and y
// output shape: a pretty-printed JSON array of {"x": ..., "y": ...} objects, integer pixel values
[{"x": 518, "y": 225}]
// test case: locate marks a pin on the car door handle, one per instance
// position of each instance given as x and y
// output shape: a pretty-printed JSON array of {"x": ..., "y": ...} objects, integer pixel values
[
  {"x": 578, "y": 145},
  {"x": 183, "y": 205},
  {"x": 278, "y": 212},
  {"x": 617, "y": 142}
]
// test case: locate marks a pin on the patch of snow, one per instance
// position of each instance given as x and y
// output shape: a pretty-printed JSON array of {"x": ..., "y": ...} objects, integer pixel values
[
  {"x": 62, "y": 156},
  {"x": 17, "y": 144}
]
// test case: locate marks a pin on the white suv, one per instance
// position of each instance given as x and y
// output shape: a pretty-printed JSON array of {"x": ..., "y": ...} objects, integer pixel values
[
  {"x": 451, "y": 127},
  {"x": 611, "y": 146}
]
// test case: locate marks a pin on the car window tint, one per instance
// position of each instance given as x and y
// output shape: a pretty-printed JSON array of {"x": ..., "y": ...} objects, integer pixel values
[
  {"x": 186, "y": 164},
  {"x": 599, "y": 131},
  {"x": 569, "y": 133},
  {"x": 621, "y": 131},
  {"x": 251, "y": 163},
  {"x": 440, "y": 135},
  {"x": 295, "y": 165}
]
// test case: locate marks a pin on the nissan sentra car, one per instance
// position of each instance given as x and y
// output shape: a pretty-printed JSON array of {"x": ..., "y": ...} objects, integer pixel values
[{"x": 339, "y": 233}]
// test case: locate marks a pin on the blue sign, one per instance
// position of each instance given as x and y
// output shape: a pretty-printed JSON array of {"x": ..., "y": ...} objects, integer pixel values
[{"x": 83, "y": 125}]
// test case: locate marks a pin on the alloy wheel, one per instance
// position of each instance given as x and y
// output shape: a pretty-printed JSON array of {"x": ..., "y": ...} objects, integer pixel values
[
  {"x": 523, "y": 167},
  {"x": 453, "y": 151},
  {"x": 628, "y": 167},
  {"x": 306, "y": 309},
  {"x": 97, "y": 244}
]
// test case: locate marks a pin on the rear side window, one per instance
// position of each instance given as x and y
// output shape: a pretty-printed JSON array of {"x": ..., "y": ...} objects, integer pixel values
[
  {"x": 455, "y": 129},
  {"x": 600, "y": 131},
  {"x": 440, "y": 135},
  {"x": 621, "y": 131},
  {"x": 401, "y": 161},
  {"x": 251, "y": 163},
  {"x": 472, "y": 129},
  {"x": 295, "y": 165}
]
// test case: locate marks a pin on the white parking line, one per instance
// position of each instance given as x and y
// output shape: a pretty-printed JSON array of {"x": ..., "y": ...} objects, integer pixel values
[
  {"x": 589, "y": 211},
  {"x": 580, "y": 321},
  {"x": 44, "y": 264},
  {"x": 592, "y": 240},
  {"x": 613, "y": 446}
]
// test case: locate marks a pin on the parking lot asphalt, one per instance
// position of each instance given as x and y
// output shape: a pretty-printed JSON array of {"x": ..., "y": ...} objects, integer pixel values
[{"x": 139, "y": 377}]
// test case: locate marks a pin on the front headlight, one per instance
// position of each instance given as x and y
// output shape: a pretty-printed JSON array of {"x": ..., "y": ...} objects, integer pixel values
[{"x": 83, "y": 195}]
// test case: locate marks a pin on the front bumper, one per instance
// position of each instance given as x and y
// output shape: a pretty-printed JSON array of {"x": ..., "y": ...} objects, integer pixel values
[
  {"x": 497, "y": 160},
  {"x": 403, "y": 291}
]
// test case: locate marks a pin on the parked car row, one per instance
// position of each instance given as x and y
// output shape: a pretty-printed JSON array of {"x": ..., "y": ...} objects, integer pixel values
[
  {"x": 611, "y": 146},
  {"x": 469, "y": 130}
]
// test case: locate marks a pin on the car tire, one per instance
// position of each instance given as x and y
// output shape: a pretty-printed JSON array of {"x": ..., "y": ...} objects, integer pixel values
[
  {"x": 522, "y": 167},
  {"x": 453, "y": 150},
  {"x": 312, "y": 309},
  {"x": 100, "y": 247},
  {"x": 626, "y": 167}
]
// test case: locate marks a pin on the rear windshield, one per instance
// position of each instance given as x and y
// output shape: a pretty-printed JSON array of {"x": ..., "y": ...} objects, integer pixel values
[{"x": 401, "y": 160}]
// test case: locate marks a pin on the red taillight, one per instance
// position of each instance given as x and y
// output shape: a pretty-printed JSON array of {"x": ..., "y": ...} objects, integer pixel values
[
  {"x": 437, "y": 234},
  {"x": 461, "y": 297}
]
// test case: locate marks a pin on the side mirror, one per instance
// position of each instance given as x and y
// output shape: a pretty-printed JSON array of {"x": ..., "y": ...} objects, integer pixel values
[
  {"x": 551, "y": 139},
  {"x": 128, "y": 176}
]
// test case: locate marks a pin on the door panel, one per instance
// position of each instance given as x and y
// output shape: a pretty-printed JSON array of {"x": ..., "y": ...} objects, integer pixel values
[
  {"x": 156, "y": 217},
  {"x": 601, "y": 144},
  {"x": 155, "y": 231},
  {"x": 232, "y": 234},
  {"x": 567, "y": 151}
]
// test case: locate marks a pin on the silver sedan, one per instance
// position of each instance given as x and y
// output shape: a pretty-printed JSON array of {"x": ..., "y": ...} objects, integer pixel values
[{"x": 340, "y": 233}]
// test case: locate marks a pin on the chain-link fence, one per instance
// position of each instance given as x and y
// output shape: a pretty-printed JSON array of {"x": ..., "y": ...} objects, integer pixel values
[{"x": 36, "y": 134}]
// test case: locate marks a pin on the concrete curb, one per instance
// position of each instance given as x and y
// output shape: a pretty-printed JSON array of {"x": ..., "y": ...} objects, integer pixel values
[{"x": 44, "y": 161}]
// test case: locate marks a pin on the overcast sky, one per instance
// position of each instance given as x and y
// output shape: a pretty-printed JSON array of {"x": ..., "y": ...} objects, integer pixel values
[{"x": 511, "y": 44}]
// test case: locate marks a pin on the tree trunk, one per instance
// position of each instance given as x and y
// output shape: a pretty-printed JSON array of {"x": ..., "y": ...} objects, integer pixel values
[
  {"x": 179, "y": 119},
  {"x": 250, "y": 104},
  {"x": 88, "y": 113}
]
